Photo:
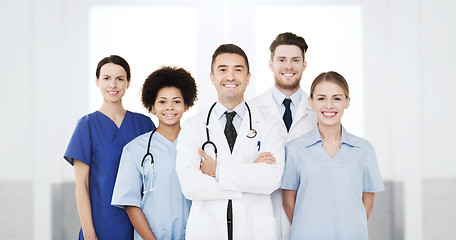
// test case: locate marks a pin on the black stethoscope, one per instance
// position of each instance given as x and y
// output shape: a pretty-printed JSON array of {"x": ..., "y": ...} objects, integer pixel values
[
  {"x": 152, "y": 164},
  {"x": 252, "y": 133}
]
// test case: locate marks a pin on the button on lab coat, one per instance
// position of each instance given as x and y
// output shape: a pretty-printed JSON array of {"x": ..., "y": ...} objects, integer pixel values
[{"x": 249, "y": 185}]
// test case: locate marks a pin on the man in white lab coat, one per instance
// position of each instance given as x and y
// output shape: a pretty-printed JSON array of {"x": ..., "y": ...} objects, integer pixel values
[
  {"x": 287, "y": 103},
  {"x": 230, "y": 187}
]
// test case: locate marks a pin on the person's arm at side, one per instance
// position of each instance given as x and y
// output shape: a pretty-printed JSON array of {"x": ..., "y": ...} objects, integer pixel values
[
  {"x": 81, "y": 173},
  {"x": 289, "y": 200},
  {"x": 368, "y": 201},
  {"x": 139, "y": 222}
]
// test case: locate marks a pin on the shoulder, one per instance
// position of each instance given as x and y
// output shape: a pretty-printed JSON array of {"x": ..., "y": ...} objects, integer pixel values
[
  {"x": 139, "y": 116},
  {"x": 87, "y": 119},
  {"x": 261, "y": 100},
  {"x": 359, "y": 142},
  {"x": 302, "y": 141},
  {"x": 138, "y": 141}
]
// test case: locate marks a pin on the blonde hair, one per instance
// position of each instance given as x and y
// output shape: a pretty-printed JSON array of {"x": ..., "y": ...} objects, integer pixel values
[{"x": 333, "y": 77}]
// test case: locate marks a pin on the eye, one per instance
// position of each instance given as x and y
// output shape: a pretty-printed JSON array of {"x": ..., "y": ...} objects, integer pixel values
[
  {"x": 161, "y": 101},
  {"x": 105, "y": 78},
  {"x": 120, "y": 78},
  {"x": 222, "y": 69},
  {"x": 297, "y": 60},
  {"x": 177, "y": 101},
  {"x": 239, "y": 70},
  {"x": 281, "y": 60},
  {"x": 320, "y": 98},
  {"x": 337, "y": 99}
]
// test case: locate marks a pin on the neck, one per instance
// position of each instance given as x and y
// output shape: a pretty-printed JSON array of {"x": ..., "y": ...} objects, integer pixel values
[
  {"x": 170, "y": 132},
  {"x": 330, "y": 133},
  {"x": 287, "y": 92},
  {"x": 230, "y": 104},
  {"x": 112, "y": 109}
]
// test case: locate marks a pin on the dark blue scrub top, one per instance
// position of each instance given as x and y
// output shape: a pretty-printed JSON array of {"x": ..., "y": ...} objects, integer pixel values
[{"x": 98, "y": 142}]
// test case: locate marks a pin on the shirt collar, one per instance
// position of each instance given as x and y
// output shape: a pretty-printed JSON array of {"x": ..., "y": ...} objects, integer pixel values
[
  {"x": 279, "y": 96},
  {"x": 220, "y": 109},
  {"x": 345, "y": 138}
]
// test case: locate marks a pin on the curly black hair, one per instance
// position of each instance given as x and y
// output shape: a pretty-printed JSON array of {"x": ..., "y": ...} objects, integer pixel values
[{"x": 169, "y": 77}]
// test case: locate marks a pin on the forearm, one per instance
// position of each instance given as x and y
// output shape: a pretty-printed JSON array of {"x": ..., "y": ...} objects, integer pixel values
[
  {"x": 289, "y": 201},
  {"x": 368, "y": 201},
  {"x": 139, "y": 222},
  {"x": 85, "y": 212},
  {"x": 260, "y": 178},
  {"x": 81, "y": 174}
]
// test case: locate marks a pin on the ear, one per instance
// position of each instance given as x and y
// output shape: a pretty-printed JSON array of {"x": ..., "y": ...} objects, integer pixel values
[
  {"x": 248, "y": 78},
  {"x": 212, "y": 78},
  {"x": 186, "y": 108},
  {"x": 304, "y": 64},
  {"x": 348, "y": 103},
  {"x": 309, "y": 99},
  {"x": 152, "y": 110},
  {"x": 128, "y": 83},
  {"x": 97, "y": 82},
  {"x": 270, "y": 66}
]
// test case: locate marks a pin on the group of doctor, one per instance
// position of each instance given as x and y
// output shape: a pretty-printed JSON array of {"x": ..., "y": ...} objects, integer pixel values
[{"x": 280, "y": 166}]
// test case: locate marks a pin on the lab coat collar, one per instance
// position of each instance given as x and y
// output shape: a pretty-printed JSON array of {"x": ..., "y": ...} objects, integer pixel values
[{"x": 216, "y": 129}]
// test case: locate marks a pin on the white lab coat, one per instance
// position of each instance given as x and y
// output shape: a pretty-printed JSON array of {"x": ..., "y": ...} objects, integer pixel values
[
  {"x": 304, "y": 121},
  {"x": 249, "y": 185}
]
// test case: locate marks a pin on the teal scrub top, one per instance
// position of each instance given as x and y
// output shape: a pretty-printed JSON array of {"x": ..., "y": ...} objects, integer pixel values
[
  {"x": 165, "y": 207},
  {"x": 98, "y": 142},
  {"x": 329, "y": 199}
]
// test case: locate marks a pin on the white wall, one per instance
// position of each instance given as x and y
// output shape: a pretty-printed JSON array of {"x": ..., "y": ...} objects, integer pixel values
[{"x": 408, "y": 71}]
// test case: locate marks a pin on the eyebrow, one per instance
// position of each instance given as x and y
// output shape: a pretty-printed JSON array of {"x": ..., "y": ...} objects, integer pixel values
[
  {"x": 166, "y": 98},
  {"x": 225, "y": 66},
  {"x": 300, "y": 57}
]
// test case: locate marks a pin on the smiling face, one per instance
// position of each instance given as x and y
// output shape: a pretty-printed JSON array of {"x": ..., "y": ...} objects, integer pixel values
[
  {"x": 287, "y": 64},
  {"x": 230, "y": 77},
  {"x": 329, "y": 102},
  {"x": 169, "y": 106},
  {"x": 112, "y": 82}
]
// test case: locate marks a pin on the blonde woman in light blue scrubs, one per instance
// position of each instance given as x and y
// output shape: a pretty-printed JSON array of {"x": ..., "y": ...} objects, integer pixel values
[
  {"x": 147, "y": 186},
  {"x": 331, "y": 176}
]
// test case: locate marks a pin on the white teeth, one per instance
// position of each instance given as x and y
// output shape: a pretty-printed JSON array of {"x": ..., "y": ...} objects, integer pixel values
[
  {"x": 169, "y": 114},
  {"x": 112, "y": 92},
  {"x": 329, "y": 114},
  {"x": 230, "y": 85},
  {"x": 288, "y": 74}
]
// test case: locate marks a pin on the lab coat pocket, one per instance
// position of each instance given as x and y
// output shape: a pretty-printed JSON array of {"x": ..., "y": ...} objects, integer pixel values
[
  {"x": 265, "y": 228},
  {"x": 197, "y": 228}
]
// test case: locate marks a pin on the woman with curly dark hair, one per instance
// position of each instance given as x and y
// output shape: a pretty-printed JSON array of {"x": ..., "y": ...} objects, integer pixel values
[{"x": 147, "y": 185}]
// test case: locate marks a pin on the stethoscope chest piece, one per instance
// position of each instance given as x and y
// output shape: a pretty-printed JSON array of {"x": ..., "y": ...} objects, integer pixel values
[{"x": 252, "y": 133}]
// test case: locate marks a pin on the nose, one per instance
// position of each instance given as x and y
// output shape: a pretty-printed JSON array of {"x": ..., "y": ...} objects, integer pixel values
[
  {"x": 112, "y": 83},
  {"x": 288, "y": 64},
  {"x": 329, "y": 104},
  {"x": 230, "y": 75},
  {"x": 170, "y": 105}
]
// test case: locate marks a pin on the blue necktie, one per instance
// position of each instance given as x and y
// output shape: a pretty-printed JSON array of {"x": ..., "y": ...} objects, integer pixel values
[{"x": 287, "y": 114}]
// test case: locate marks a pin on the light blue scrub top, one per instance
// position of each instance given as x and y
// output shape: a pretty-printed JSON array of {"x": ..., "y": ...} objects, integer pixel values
[
  {"x": 329, "y": 199},
  {"x": 165, "y": 208}
]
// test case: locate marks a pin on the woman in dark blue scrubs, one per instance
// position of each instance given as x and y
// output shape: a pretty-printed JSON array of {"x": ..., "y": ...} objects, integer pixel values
[{"x": 95, "y": 149}]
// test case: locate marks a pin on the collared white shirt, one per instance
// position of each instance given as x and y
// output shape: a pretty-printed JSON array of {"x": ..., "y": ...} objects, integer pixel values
[
  {"x": 278, "y": 97},
  {"x": 220, "y": 109}
]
